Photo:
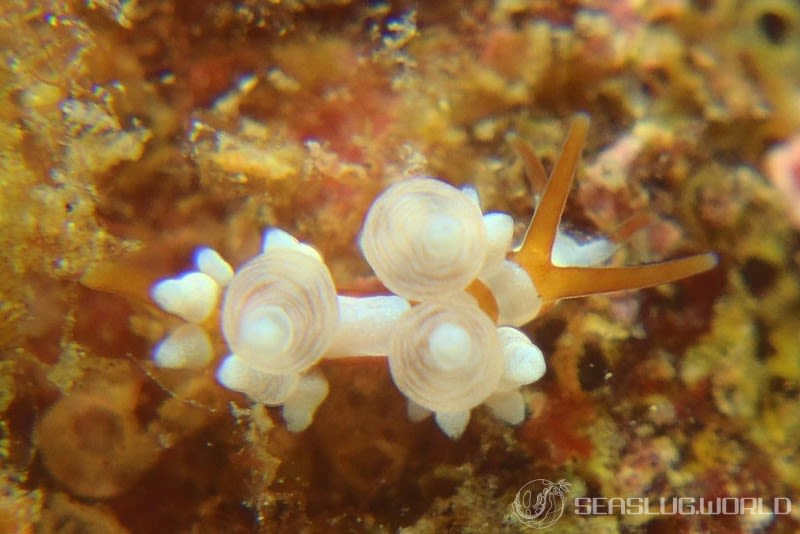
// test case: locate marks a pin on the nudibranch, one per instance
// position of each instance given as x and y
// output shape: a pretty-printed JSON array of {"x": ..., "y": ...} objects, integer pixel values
[{"x": 449, "y": 330}]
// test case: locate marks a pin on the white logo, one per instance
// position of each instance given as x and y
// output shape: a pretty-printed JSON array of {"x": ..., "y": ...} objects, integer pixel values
[{"x": 540, "y": 503}]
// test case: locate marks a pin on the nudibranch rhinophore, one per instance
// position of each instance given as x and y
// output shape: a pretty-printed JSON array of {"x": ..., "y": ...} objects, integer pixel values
[{"x": 449, "y": 330}]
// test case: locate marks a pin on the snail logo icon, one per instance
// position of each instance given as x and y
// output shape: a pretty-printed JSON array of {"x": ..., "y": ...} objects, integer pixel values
[{"x": 540, "y": 503}]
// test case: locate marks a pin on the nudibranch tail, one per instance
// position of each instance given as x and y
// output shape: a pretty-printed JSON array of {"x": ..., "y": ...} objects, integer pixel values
[
  {"x": 541, "y": 234},
  {"x": 535, "y": 255},
  {"x": 119, "y": 278}
]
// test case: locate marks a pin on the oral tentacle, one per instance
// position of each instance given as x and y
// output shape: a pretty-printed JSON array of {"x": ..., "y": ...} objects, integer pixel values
[{"x": 569, "y": 282}]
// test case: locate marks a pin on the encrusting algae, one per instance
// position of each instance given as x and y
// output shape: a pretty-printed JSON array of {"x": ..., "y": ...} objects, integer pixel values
[{"x": 134, "y": 133}]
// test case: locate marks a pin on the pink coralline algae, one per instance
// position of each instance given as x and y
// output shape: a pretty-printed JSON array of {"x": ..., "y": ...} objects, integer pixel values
[{"x": 782, "y": 166}]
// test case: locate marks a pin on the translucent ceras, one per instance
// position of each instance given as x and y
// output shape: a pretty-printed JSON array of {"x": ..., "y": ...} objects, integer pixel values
[
  {"x": 424, "y": 238},
  {"x": 456, "y": 348}
]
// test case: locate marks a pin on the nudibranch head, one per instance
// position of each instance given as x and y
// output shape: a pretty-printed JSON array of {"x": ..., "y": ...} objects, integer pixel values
[{"x": 538, "y": 254}]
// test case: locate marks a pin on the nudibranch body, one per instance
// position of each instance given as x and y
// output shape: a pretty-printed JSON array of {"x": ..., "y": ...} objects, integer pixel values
[{"x": 449, "y": 330}]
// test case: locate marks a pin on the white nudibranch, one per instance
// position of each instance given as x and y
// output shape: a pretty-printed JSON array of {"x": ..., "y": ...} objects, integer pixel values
[{"x": 449, "y": 350}]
